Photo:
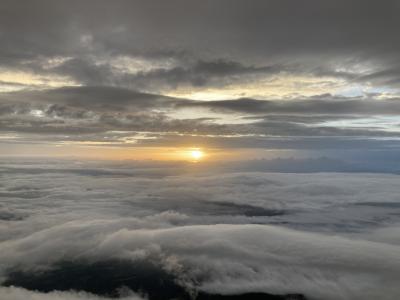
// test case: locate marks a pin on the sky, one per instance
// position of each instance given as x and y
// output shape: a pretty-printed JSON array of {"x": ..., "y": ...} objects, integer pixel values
[
  {"x": 237, "y": 79},
  {"x": 199, "y": 149}
]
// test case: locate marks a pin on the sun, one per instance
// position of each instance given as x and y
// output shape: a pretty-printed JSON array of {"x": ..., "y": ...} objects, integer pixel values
[{"x": 196, "y": 154}]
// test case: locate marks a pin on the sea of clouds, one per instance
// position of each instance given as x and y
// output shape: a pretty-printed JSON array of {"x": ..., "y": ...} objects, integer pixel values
[{"x": 323, "y": 235}]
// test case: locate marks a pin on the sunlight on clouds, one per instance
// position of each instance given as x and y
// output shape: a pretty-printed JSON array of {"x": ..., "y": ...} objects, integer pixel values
[
  {"x": 21, "y": 80},
  {"x": 53, "y": 62},
  {"x": 135, "y": 64},
  {"x": 8, "y": 136},
  {"x": 384, "y": 123},
  {"x": 212, "y": 116},
  {"x": 37, "y": 113},
  {"x": 284, "y": 86}
]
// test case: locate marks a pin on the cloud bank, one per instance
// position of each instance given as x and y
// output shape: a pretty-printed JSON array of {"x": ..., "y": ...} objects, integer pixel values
[{"x": 324, "y": 236}]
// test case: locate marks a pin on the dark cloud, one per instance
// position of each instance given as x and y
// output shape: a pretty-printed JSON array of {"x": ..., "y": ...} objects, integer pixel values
[
  {"x": 304, "y": 107},
  {"x": 201, "y": 74},
  {"x": 262, "y": 27},
  {"x": 97, "y": 110},
  {"x": 198, "y": 74},
  {"x": 209, "y": 40},
  {"x": 125, "y": 57}
]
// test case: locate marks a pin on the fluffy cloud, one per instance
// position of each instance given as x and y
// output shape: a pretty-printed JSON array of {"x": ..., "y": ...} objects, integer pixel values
[
  {"x": 326, "y": 235},
  {"x": 227, "y": 258},
  {"x": 13, "y": 293}
]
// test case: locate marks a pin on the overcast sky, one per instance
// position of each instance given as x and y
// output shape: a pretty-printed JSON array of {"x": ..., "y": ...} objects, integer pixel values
[{"x": 100, "y": 77}]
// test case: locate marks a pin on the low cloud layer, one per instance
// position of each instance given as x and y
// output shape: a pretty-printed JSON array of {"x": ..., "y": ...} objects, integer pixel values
[
  {"x": 13, "y": 293},
  {"x": 325, "y": 236}
]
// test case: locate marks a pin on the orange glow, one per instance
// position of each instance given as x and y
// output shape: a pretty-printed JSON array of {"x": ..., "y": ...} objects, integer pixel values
[{"x": 106, "y": 152}]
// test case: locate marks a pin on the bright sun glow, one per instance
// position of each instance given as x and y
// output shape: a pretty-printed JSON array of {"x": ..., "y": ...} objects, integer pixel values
[{"x": 196, "y": 154}]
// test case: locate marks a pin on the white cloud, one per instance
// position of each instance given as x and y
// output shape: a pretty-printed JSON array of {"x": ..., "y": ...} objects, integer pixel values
[
  {"x": 13, "y": 293},
  {"x": 334, "y": 236},
  {"x": 231, "y": 258}
]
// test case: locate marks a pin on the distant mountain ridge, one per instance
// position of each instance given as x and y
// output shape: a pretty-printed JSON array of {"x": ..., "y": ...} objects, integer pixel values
[{"x": 115, "y": 278}]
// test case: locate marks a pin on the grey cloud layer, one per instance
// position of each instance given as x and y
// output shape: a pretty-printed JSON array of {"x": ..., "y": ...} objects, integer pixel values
[
  {"x": 110, "y": 114},
  {"x": 207, "y": 40},
  {"x": 259, "y": 27},
  {"x": 111, "y": 99},
  {"x": 127, "y": 55}
]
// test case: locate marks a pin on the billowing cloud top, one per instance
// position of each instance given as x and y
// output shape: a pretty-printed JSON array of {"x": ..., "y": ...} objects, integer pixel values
[{"x": 74, "y": 230}]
